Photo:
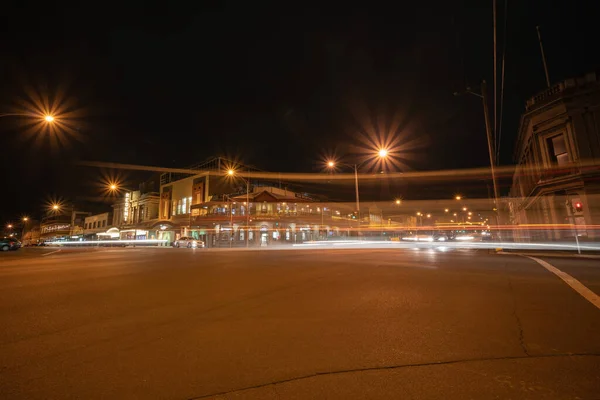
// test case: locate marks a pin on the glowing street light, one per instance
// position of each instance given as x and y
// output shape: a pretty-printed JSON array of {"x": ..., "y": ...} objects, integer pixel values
[
  {"x": 470, "y": 213},
  {"x": 382, "y": 153},
  {"x": 231, "y": 173},
  {"x": 458, "y": 197},
  {"x": 455, "y": 214},
  {"x": 25, "y": 219},
  {"x": 446, "y": 210},
  {"x": 55, "y": 207},
  {"x": 49, "y": 118},
  {"x": 398, "y": 201},
  {"x": 464, "y": 208},
  {"x": 428, "y": 215},
  {"x": 9, "y": 226}
]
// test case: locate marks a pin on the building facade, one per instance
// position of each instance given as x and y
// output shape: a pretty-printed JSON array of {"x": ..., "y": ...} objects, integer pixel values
[
  {"x": 556, "y": 180},
  {"x": 66, "y": 223},
  {"x": 269, "y": 216},
  {"x": 95, "y": 225},
  {"x": 136, "y": 214}
]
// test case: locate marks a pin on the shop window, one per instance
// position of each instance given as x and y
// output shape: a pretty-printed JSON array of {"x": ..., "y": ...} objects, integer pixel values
[
  {"x": 174, "y": 208},
  {"x": 557, "y": 149},
  {"x": 241, "y": 234},
  {"x": 184, "y": 206},
  {"x": 189, "y": 205},
  {"x": 287, "y": 235},
  {"x": 250, "y": 235}
]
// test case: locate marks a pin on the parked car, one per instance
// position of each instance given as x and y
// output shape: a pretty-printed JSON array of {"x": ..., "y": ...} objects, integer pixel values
[
  {"x": 9, "y": 243},
  {"x": 188, "y": 242}
]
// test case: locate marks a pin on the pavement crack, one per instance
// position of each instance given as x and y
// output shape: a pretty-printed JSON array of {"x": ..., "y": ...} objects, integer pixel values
[
  {"x": 515, "y": 314},
  {"x": 391, "y": 367}
]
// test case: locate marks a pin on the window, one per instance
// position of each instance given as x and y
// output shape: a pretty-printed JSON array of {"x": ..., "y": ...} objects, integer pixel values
[
  {"x": 184, "y": 206},
  {"x": 103, "y": 223},
  {"x": 241, "y": 234},
  {"x": 174, "y": 208},
  {"x": 189, "y": 205},
  {"x": 557, "y": 149},
  {"x": 250, "y": 235}
]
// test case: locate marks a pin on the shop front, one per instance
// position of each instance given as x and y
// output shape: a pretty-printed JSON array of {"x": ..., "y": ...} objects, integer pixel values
[{"x": 57, "y": 231}]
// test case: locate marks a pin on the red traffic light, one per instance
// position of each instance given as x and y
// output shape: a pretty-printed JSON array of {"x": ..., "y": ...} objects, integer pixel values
[{"x": 578, "y": 206}]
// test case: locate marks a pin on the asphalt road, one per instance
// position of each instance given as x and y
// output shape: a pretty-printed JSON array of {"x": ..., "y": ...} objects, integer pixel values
[{"x": 339, "y": 324}]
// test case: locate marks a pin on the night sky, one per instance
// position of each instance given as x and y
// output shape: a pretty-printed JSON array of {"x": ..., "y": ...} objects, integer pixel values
[{"x": 277, "y": 88}]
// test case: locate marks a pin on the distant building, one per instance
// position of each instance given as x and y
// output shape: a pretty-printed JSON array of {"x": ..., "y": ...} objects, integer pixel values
[
  {"x": 65, "y": 223},
  {"x": 135, "y": 214},
  {"x": 96, "y": 224},
  {"x": 557, "y": 152},
  {"x": 225, "y": 211}
]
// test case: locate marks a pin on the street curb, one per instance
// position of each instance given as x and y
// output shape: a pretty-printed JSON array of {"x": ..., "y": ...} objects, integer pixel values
[{"x": 584, "y": 256}]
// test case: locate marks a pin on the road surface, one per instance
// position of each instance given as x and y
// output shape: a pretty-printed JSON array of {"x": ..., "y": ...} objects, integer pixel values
[{"x": 312, "y": 323}]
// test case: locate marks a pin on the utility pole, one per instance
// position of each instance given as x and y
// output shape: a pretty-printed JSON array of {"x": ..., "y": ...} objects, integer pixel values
[
  {"x": 537, "y": 28},
  {"x": 488, "y": 130}
]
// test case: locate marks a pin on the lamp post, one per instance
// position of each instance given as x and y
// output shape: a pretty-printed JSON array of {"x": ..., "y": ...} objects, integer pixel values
[
  {"x": 25, "y": 219},
  {"x": 381, "y": 153},
  {"x": 232, "y": 173},
  {"x": 490, "y": 145}
]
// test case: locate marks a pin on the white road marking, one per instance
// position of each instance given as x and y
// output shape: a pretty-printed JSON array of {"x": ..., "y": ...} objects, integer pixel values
[
  {"x": 52, "y": 252},
  {"x": 569, "y": 280}
]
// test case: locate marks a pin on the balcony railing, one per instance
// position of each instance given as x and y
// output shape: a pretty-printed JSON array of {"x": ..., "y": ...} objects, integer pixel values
[{"x": 546, "y": 95}]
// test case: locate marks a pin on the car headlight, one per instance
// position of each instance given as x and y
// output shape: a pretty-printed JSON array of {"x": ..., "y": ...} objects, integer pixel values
[{"x": 441, "y": 239}]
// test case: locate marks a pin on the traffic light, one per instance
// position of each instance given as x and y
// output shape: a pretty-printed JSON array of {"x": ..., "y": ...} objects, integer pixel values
[{"x": 578, "y": 206}]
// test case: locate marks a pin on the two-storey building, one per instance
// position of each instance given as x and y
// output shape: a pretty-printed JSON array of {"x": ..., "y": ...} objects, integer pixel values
[{"x": 557, "y": 180}]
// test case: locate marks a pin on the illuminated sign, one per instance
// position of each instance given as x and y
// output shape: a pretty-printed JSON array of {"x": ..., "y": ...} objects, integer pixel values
[
  {"x": 126, "y": 208},
  {"x": 56, "y": 227}
]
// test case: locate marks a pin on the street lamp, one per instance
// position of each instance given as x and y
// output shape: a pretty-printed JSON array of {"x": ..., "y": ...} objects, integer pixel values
[
  {"x": 464, "y": 209},
  {"x": 9, "y": 226},
  {"x": 458, "y": 197},
  {"x": 382, "y": 153},
  {"x": 446, "y": 210},
  {"x": 232, "y": 173},
  {"x": 25, "y": 219},
  {"x": 492, "y": 150},
  {"x": 398, "y": 202}
]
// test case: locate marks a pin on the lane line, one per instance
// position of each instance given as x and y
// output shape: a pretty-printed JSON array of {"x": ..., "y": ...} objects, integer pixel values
[
  {"x": 52, "y": 252},
  {"x": 569, "y": 280}
]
